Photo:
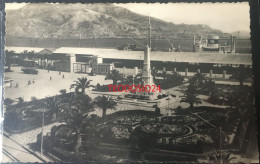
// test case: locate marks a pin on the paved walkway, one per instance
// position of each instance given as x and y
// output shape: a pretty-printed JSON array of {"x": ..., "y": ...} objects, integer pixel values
[
  {"x": 22, "y": 142},
  {"x": 43, "y": 86}
]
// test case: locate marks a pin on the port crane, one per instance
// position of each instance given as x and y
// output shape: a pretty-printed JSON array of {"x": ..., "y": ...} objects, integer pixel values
[
  {"x": 167, "y": 38},
  {"x": 179, "y": 45}
]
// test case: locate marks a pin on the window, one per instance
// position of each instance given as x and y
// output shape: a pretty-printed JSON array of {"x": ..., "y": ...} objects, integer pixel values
[
  {"x": 106, "y": 70},
  {"x": 94, "y": 69},
  {"x": 101, "y": 69}
]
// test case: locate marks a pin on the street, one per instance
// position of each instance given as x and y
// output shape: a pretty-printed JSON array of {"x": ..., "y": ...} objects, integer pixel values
[{"x": 13, "y": 152}]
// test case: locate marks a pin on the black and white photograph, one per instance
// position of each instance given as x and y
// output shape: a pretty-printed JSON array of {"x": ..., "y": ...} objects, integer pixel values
[{"x": 128, "y": 83}]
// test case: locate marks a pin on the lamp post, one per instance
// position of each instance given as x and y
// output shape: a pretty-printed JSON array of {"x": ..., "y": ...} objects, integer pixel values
[
  {"x": 42, "y": 131},
  {"x": 169, "y": 103},
  {"x": 220, "y": 136},
  {"x": 220, "y": 129}
]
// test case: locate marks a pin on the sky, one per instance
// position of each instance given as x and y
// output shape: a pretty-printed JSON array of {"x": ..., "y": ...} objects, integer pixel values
[{"x": 227, "y": 17}]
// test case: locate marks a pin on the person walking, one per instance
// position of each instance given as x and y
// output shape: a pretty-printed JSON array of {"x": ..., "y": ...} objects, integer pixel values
[
  {"x": 17, "y": 85},
  {"x": 50, "y": 78},
  {"x": 63, "y": 76}
]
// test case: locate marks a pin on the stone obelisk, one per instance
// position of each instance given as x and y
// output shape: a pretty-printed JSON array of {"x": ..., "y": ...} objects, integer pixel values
[
  {"x": 147, "y": 79},
  {"x": 146, "y": 76}
]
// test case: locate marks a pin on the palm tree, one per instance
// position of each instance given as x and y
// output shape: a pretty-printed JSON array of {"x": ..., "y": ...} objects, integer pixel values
[
  {"x": 115, "y": 76},
  {"x": 80, "y": 85},
  {"x": 105, "y": 103},
  {"x": 191, "y": 96},
  {"x": 241, "y": 74},
  {"x": 83, "y": 103},
  {"x": 131, "y": 79},
  {"x": 77, "y": 123},
  {"x": 25, "y": 54},
  {"x": 53, "y": 105},
  {"x": 67, "y": 102}
]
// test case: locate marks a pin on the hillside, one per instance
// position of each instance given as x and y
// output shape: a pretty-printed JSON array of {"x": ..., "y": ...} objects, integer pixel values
[{"x": 91, "y": 20}]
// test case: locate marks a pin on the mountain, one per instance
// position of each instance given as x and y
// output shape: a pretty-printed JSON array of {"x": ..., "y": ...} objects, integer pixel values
[{"x": 91, "y": 20}]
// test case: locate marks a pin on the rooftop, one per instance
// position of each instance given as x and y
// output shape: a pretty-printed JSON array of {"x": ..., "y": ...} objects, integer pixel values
[
  {"x": 74, "y": 50},
  {"x": 189, "y": 57}
]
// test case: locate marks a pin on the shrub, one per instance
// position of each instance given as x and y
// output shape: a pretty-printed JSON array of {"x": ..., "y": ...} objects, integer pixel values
[
  {"x": 33, "y": 98},
  {"x": 101, "y": 88},
  {"x": 8, "y": 101}
]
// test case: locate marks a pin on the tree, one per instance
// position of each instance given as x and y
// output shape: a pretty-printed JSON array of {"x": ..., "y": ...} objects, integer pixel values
[
  {"x": 63, "y": 91},
  {"x": 33, "y": 98},
  {"x": 25, "y": 54},
  {"x": 67, "y": 103},
  {"x": 20, "y": 100},
  {"x": 241, "y": 74},
  {"x": 115, "y": 76},
  {"x": 242, "y": 100},
  {"x": 129, "y": 80},
  {"x": 13, "y": 120},
  {"x": 175, "y": 79},
  {"x": 105, "y": 103},
  {"x": 138, "y": 80},
  {"x": 83, "y": 103},
  {"x": 53, "y": 105},
  {"x": 8, "y": 102},
  {"x": 81, "y": 84},
  {"x": 198, "y": 80},
  {"x": 154, "y": 73},
  {"x": 77, "y": 122},
  {"x": 32, "y": 54},
  {"x": 8, "y": 59},
  {"x": 209, "y": 87},
  {"x": 163, "y": 74},
  {"x": 216, "y": 96},
  {"x": 191, "y": 96}
]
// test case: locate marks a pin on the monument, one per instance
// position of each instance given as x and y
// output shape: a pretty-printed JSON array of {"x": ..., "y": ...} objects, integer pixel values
[{"x": 146, "y": 74}]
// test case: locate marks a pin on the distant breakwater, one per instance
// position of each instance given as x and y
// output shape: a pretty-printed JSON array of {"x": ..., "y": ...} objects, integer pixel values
[{"x": 242, "y": 45}]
